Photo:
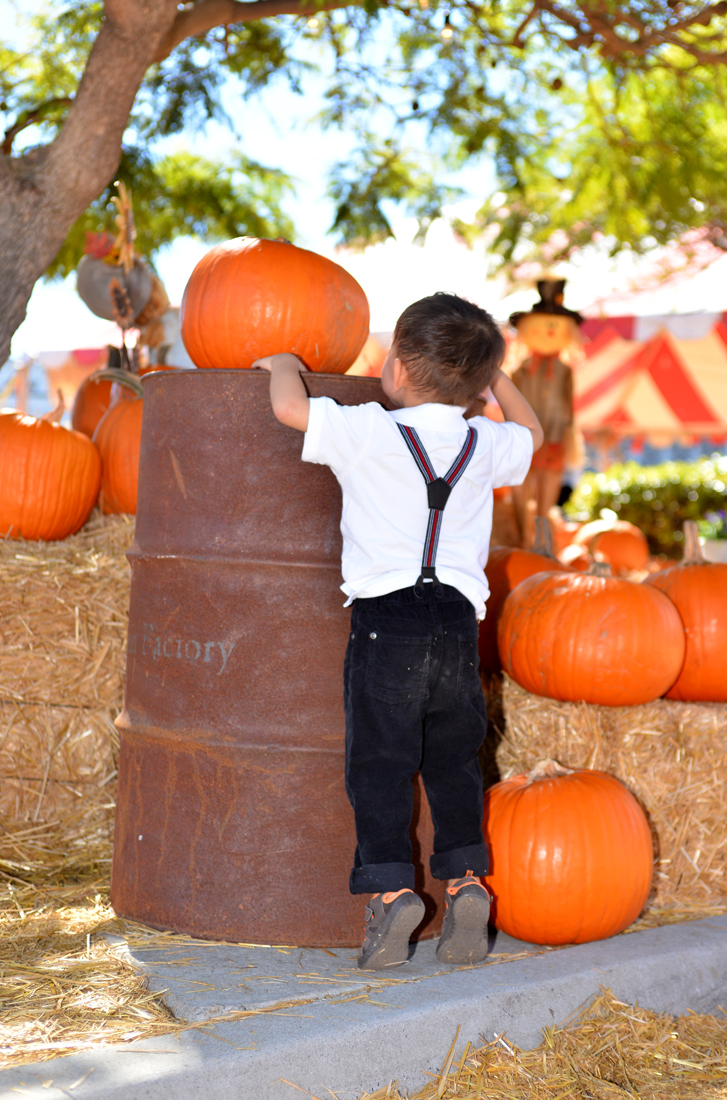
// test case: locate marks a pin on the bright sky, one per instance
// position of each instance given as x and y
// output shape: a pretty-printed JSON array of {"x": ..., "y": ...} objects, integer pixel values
[{"x": 278, "y": 130}]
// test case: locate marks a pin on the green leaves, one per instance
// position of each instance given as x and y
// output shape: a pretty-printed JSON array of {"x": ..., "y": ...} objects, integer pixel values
[
  {"x": 380, "y": 171},
  {"x": 644, "y": 163},
  {"x": 658, "y": 499},
  {"x": 598, "y": 122},
  {"x": 183, "y": 194}
]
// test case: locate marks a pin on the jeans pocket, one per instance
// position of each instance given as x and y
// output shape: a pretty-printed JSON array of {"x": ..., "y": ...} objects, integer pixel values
[
  {"x": 468, "y": 673},
  {"x": 397, "y": 670}
]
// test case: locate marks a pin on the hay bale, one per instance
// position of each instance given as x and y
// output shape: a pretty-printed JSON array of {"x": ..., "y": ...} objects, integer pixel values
[
  {"x": 672, "y": 756},
  {"x": 63, "y": 638}
]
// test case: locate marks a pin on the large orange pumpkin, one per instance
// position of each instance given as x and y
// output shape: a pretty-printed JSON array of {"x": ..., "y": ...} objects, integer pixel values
[
  {"x": 506, "y": 567},
  {"x": 92, "y": 399},
  {"x": 571, "y": 855},
  {"x": 49, "y": 478},
  {"x": 248, "y": 298},
  {"x": 698, "y": 590},
  {"x": 590, "y": 637},
  {"x": 118, "y": 438},
  {"x": 622, "y": 544}
]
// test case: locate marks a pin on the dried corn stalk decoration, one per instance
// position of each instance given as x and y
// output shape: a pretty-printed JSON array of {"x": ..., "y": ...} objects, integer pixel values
[
  {"x": 122, "y": 254},
  {"x": 124, "y": 243},
  {"x": 121, "y": 305}
]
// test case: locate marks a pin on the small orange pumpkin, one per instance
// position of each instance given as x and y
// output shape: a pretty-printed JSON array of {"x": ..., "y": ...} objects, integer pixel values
[
  {"x": 92, "y": 399},
  {"x": 248, "y": 298},
  {"x": 506, "y": 567},
  {"x": 590, "y": 637},
  {"x": 49, "y": 478},
  {"x": 571, "y": 855},
  {"x": 577, "y": 557},
  {"x": 621, "y": 544},
  {"x": 118, "y": 438},
  {"x": 698, "y": 590}
]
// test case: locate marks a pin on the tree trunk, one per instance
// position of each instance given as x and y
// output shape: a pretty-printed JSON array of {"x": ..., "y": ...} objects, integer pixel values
[{"x": 44, "y": 191}]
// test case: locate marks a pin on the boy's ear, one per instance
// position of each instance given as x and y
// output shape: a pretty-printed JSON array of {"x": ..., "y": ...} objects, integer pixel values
[{"x": 400, "y": 374}]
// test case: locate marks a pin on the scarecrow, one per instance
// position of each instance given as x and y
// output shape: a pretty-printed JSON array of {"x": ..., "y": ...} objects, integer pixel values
[
  {"x": 547, "y": 384},
  {"x": 116, "y": 284}
]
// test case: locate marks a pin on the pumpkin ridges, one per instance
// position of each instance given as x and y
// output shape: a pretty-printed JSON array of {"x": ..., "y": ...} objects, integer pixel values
[
  {"x": 621, "y": 543},
  {"x": 63, "y": 464},
  {"x": 572, "y": 637},
  {"x": 572, "y": 857},
  {"x": 49, "y": 476},
  {"x": 70, "y": 477},
  {"x": 92, "y": 400},
  {"x": 118, "y": 438},
  {"x": 92, "y": 470},
  {"x": 38, "y": 469},
  {"x": 66, "y": 475},
  {"x": 249, "y": 298},
  {"x": 26, "y": 502},
  {"x": 698, "y": 590}
]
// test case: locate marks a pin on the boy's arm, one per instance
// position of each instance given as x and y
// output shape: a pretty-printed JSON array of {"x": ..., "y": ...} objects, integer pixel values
[
  {"x": 288, "y": 395},
  {"x": 515, "y": 408}
]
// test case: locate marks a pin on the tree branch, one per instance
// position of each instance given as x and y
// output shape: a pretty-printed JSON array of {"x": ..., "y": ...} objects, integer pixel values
[
  {"x": 591, "y": 24},
  {"x": 206, "y": 14},
  {"x": 517, "y": 41}
]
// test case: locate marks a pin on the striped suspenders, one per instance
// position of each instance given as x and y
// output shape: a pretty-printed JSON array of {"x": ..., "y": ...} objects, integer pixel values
[{"x": 438, "y": 490}]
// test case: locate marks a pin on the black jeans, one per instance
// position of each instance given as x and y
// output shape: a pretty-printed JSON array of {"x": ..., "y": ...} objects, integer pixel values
[{"x": 413, "y": 702}]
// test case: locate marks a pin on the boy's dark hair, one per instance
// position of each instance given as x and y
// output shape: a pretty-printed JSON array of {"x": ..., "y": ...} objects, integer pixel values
[{"x": 450, "y": 347}]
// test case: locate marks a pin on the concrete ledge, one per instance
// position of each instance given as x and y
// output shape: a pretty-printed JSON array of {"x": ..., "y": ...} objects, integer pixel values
[{"x": 390, "y": 1031}]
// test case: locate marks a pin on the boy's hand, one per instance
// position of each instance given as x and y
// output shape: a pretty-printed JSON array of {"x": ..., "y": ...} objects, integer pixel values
[
  {"x": 267, "y": 362},
  {"x": 288, "y": 395}
]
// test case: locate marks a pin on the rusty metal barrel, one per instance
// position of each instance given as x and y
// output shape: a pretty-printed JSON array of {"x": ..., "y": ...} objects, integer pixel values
[{"x": 232, "y": 819}]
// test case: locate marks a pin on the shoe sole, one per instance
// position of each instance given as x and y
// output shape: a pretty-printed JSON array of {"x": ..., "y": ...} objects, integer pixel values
[
  {"x": 467, "y": 939},
  {"x": 392, "y": 948}
]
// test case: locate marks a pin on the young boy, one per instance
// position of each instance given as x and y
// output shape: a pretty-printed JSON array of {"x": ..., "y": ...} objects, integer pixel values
[{"x": 417, "y": 515}]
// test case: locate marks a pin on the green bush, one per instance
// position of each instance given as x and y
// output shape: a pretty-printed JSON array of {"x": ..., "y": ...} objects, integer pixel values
[{"x": 656, "y": 498}]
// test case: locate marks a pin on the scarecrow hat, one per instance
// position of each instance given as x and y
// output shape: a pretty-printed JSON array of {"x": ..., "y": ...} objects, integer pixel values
[{"x": 551, "y": 301}]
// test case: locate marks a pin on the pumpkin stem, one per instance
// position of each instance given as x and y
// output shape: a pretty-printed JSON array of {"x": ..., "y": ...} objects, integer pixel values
[
  {"x": 692, "y": 549},
  {"x": 543, "y": 538},
  {"x": 123, "y": 377},
  {"x": 547, "y": 769},
  {"x": 600, "y": 569},
  {"x": 54, "y": 416}
]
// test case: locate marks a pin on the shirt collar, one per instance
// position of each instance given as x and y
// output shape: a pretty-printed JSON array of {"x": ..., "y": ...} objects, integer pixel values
[{"x": 432, "y": 416}]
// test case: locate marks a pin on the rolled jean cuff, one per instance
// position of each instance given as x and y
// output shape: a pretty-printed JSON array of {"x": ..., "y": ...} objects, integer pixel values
[
  {"x": 381, "y": 878},
  {"x": 459, "y": 861}
]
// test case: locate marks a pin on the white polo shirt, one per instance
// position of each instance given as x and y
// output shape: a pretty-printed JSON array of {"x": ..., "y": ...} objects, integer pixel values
[{"x": 385, "y": 511}]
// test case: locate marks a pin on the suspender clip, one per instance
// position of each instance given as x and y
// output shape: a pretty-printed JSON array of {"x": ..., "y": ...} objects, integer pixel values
[
  {"x": 428, "y": 573},
  {"x": 438, "y": 493}
]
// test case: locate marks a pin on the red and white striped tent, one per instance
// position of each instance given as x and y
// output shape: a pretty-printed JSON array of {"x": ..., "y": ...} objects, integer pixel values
[{"x": 663, "y": 388}]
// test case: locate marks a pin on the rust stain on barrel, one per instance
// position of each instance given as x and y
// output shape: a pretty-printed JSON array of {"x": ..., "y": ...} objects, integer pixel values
[{"x": 232, "y": 819}]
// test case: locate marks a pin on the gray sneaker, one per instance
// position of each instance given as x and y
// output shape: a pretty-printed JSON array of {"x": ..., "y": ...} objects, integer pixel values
[
  {"x": 390, "y": 920},
  {"x": 464, "y": 928}
]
